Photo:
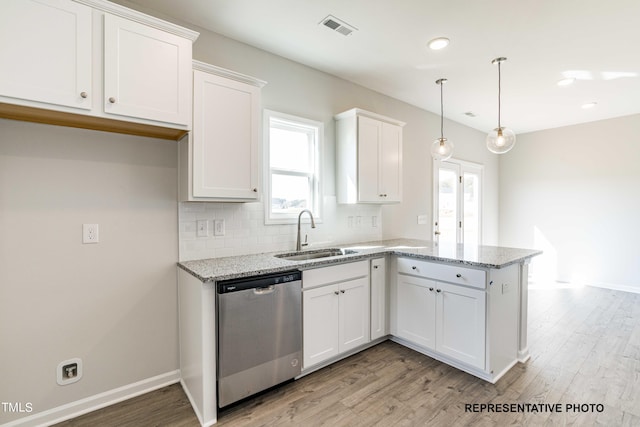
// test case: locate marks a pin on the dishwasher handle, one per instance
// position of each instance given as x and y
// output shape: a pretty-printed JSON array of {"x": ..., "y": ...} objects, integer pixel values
[{"x": 264, "y": 291}]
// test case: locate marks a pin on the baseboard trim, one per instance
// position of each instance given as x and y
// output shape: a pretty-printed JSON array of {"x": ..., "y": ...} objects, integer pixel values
[
  {"x": 97, "y": 401},
  {"x": 614, "y": 287}
]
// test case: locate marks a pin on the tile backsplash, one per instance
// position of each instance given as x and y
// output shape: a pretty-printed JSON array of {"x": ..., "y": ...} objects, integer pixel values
[{"x": 246, "y": 232}]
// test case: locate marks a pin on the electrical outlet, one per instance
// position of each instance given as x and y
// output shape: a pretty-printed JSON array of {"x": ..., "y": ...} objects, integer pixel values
[
  {"x": 422, "y": 219},
  {"x": 350, "y": 222},
  {"x": 505, "y": 288},
  {"x": 69, "y": 371},
  {"x": 90, "y": 233},
  {"x": 374, "y": 221},
  {"x": 358, "y": 221},
  {"x": 218, "y": 227},
  {"x": 202, "y": 228}
]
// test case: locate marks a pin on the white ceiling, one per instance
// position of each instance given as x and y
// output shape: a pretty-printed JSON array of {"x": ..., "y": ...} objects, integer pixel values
[{"x": 596, "y": 41}]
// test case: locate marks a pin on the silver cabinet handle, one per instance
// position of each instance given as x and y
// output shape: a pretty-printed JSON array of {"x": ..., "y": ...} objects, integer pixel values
[
  {"x": 438, "y": 290},
  {"x": 336, "y": 292},
  {"x": 112, "y": 100},
  {"x": 342, "y": 291},
  {"x": 375, "y": 266},
  {"x": 458, "y": 275},
  {"x": 414, "y": 267},
  {"x": 430, "y": 289},
  {"x": 83, "y": 94},
  {"x": 255, "y": 190}
]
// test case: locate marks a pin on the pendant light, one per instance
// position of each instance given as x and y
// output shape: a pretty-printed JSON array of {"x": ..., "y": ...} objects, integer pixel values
[
  {"x": 442, "y": 148},
  {"x": 501, "y": 139}
]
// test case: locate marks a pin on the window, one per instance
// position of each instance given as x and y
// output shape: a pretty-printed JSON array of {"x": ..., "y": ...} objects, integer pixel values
[{"x": 292, "y": 154}]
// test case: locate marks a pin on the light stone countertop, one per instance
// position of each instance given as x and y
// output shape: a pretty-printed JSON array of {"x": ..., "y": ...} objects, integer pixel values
[{"x": 214, "y": 269}]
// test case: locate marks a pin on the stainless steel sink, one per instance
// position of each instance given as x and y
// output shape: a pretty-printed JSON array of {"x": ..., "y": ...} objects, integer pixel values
[{"x": 314, "y": 254}]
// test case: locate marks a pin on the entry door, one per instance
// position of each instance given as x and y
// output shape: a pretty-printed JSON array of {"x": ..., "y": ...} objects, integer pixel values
[{"x": 457, "y": 202}]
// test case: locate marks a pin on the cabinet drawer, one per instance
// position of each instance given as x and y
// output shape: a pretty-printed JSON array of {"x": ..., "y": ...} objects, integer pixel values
[
  {"x": 334, "y": 273},
  {"x": 442, "y": 272}
]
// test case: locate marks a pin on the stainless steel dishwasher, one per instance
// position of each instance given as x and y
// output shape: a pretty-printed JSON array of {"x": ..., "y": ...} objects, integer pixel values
[{"x": 259, "y": 334}]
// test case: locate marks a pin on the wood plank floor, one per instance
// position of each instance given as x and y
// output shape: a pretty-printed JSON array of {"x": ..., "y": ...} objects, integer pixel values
[{"x": 585, "y": 346}]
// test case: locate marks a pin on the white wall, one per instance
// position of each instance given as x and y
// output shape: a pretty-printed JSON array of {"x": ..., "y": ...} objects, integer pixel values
[
  {"x": 112, "y": 304},
  {"x": 573, "y": 192}
]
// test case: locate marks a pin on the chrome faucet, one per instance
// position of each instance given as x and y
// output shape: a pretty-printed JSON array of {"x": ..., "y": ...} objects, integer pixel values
[{"x": 299, "y": 244}]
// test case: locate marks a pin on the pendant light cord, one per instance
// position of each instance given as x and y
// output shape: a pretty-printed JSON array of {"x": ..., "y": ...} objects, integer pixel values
[
  {"x": 499, "y": 85},
  {"x": 441, "y": 113}
]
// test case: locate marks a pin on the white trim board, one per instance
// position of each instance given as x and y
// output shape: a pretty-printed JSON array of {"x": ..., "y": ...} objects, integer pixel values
[{"x": 97, "y": 401}]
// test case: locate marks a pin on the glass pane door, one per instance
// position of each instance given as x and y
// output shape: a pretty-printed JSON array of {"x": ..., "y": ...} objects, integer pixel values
[
  {"x": 457, "y": 203},
  {"x": 471, "y": 206},
  {"x": 447, "y": 206}
]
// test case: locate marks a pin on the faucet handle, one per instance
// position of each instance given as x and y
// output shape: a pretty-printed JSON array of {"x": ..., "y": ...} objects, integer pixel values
[{"x": 306, "y": 236}]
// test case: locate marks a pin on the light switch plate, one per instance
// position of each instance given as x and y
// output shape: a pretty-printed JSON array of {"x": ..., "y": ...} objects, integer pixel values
[
  {"x": 218, "y": 227},
  {"x": 202, "y": 228}
]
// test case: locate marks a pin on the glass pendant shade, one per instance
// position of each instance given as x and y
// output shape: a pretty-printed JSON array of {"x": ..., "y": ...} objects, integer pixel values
[
  {"x": 442, "y": 149},
  {"x": 501, "y": 140}
]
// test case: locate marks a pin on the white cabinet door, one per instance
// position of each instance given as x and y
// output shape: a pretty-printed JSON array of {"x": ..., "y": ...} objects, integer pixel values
[
  {"x": 416, "y": 310},
  {"x": 147, "y": 72},
  {"x": 225, "y": 138},
  {"x": 354, "y": 314},
  {"x": 369, "y": 134},
  {"x": 320, "y": 308},
  {"x": 378, "y": 299},
  {"x": 45, "y": 47},
  {"x": 379, "y": 161},
  {"x": 390, "y": 163},
  {"x": 369, "y": 158},
  {"x": 460, "y": 321}
]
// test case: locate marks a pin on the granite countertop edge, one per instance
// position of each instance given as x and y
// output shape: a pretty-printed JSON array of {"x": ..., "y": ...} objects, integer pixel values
[{"x": 234, "y": 267}]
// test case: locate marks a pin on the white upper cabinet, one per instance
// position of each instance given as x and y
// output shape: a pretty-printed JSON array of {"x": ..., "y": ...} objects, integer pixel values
[
  {"x": 369, "y": 158},
  {"x": 45, "y": 47},
  {"x": 221, "y": 159},
  {"x": 147, "y": 72},
  {"x": 94, "y": 64}
]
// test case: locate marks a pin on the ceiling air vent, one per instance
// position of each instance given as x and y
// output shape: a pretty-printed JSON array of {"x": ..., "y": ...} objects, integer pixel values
[{"x": 338, "y": 25}]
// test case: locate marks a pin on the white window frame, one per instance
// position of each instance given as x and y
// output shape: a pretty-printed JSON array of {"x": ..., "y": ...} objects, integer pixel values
[{"x": 313, "y": 126}]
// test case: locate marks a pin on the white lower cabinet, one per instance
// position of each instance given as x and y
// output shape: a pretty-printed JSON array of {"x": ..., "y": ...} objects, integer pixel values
[
  {"x": 442, "y": 317},
  {"x": 416, "y": 310},
  {"x": 378, "y": 298},
  {"x": 464, "y": 316},
  {"x": 335, "y": 313},
  {"x": 460, "y": 323}
]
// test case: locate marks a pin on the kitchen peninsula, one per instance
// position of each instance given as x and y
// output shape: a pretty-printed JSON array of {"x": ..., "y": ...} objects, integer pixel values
[{"x": 465, "y": 306}]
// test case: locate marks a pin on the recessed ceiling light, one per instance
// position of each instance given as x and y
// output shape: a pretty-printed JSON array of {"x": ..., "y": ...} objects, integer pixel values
[
  {"x": 589, "y": 105},
  {"x": 438, "y": 43},
  {"x": 566, "y": 82}
]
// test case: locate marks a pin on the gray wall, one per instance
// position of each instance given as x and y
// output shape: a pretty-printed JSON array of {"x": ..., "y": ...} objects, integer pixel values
[
  {"x": 112, "y": 304},
  {"x": 573, "y": 192}
]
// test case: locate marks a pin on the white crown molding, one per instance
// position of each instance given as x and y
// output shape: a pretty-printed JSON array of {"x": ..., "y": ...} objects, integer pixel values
[
  {"x": 133, "y": 15},
  {"x": 223, "y": 72}
]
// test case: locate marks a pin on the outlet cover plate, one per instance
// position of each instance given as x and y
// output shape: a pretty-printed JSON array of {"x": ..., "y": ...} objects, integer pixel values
[{"x": 90, "y": 233}]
